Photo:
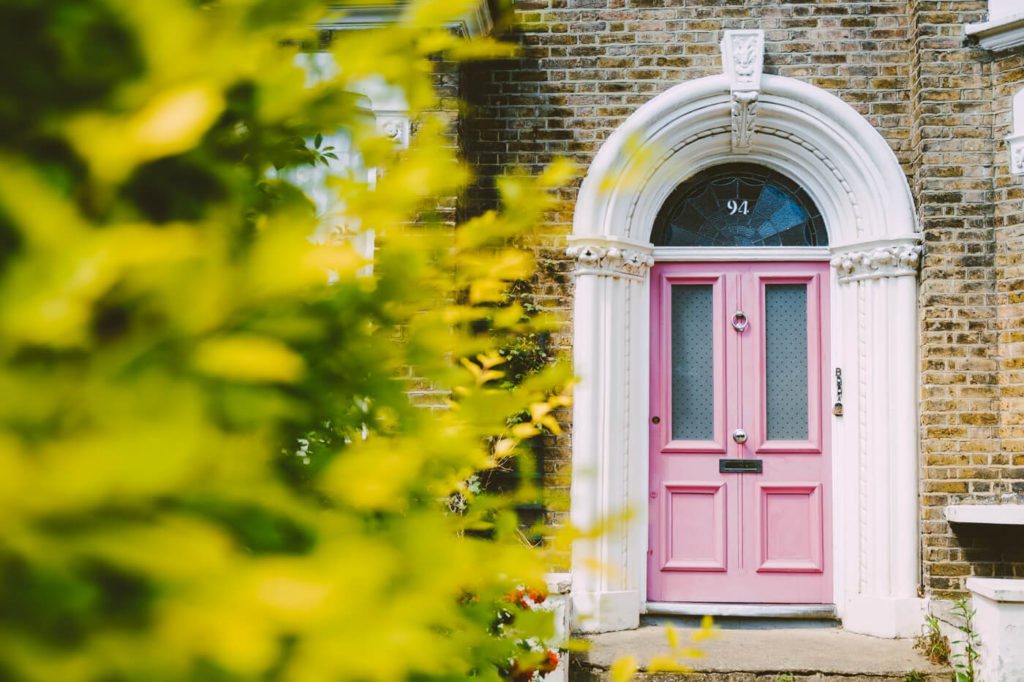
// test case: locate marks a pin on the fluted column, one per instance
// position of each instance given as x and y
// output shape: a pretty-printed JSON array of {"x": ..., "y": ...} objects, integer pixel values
[
  {"x": 609, "y": 466},
  {"x": 877, "y": 334}
]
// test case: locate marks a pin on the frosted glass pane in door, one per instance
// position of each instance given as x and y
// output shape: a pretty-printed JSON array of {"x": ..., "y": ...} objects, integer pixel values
[
  {"x": 693, "y": 389},
  {"x": 786, "y": 360}
]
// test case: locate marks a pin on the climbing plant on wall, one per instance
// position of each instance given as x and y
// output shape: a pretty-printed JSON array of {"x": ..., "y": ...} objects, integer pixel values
[{"x": 209, "y": 466}]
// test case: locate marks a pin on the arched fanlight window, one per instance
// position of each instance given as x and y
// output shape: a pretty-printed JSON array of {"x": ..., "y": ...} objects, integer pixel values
[{"x": 739, "y": 204}]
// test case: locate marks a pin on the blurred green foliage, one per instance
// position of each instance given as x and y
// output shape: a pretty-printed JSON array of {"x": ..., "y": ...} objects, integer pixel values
[{"x": 209, "y": 468}]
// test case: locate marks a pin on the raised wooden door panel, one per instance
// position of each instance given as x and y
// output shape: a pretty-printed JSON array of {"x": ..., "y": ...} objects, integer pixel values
[
  {"x": 739, "y": 346},
  {"x": 695, "y": 534},
  {"x": 689, "y": 324},
  {"x": 789, "y": 525},
  {"x": 788, "y": 370}
]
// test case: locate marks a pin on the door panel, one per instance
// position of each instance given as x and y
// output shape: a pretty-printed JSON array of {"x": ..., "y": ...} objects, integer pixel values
[
  {"x": 739, "y": 346},
  {"x": 686, "y": 318},
  {"x": 695, "y": 531},
  {"x": 785, "y": 356},
  {"x": 693, "y": 369},
  {"x": 789, "y": 526},
  {"x": 788, "y": 407}
]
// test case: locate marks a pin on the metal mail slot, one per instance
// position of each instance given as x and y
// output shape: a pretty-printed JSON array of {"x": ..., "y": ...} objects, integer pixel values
[{"x": 740, "y": 466}]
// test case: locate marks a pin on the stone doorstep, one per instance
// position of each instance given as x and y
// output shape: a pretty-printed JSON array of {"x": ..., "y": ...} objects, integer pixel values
[
  {"x": 743, "y": 655},
  {"x": 604, "y": 676}
]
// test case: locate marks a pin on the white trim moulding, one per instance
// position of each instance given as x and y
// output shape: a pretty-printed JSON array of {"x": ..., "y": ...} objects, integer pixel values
[
  {"x": 1002, "y": 33},
  {"x": 989, "y": 514},
  {"x": 732, "y": 253},
  {"x": 474, "y": 23}
]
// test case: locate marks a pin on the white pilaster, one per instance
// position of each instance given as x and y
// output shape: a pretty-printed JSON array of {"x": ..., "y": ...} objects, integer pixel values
[
  {"x": 878, "y": 456},
  {"x": 610, "y": 460}
]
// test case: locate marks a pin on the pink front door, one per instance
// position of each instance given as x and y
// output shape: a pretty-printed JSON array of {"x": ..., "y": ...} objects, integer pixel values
[{"x": 740, "y": 474}]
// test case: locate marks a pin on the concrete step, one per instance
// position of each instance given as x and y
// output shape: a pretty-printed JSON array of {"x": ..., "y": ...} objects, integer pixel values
[{"x": 818, "y": 654}]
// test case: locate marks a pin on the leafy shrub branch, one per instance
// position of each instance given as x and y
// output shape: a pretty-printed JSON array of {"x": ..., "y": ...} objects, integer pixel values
[{"x": 208, "y": 470}]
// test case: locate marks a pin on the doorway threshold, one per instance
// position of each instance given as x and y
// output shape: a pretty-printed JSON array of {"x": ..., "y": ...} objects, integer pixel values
[{"x": 802, "y": 611}]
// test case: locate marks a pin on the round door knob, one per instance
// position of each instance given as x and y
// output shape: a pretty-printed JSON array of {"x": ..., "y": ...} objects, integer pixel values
[{"x": 740, "y": 436}]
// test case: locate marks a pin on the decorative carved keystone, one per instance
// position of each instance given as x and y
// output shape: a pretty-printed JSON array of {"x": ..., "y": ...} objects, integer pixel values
[{"x": 742, "y": 61}]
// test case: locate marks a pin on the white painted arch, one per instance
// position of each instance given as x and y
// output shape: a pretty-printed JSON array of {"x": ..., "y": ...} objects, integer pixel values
[{"x": 855, "y": 179}]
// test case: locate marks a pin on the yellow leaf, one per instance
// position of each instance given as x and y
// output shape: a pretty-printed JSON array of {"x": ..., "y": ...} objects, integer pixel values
[
  {"x": 251, "y": 358},
  {"x": 549, "y": 423},
  {"x": 666, "y": 664},
  {"x": 41, "y": 213},
  {"x": 431, "y": 13},
  {"x": 485, "y": 290},
  {"x": 538, "y": 410},
  {"x": 175, "y": 120},
  {"x": 672, "y": 636},
  {"x": 287, "y": 589},
  {"x": 524, "y": 430},
  {"x": 436, "y": 41},
  {"x": 482, "y": 48},
  {"x": 490, "y": 375},
  {"x": 706, "y": 630},
  {"x": 472, "y": 367},
  {"x": 16, "y": 478},
  {"x": 558, "y": 173},
  {"x": 490, "y": 359},
  {"x": 171, "y": 122},
  {"x": 504, "y": 447},
  {"x": 141, "y": 245},
  {"x": 373, "y": 475},
  {"x": 624, "y": 669}
]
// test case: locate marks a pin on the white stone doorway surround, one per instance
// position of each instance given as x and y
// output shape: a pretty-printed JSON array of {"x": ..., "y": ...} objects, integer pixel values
[{"x": 854, "y": 178}]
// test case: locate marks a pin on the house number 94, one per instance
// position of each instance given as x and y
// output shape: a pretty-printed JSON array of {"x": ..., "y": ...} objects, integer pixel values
[{"x": 737, "y": 207}]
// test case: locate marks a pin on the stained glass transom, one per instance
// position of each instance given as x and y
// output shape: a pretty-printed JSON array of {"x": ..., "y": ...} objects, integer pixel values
[
  {"x": 739, "y": 204},
  {"x": 786, "y": 359},
  {"x": 693, "y": 388}
]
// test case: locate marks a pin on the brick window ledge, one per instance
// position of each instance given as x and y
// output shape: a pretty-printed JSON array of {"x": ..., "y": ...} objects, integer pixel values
[{"x": 1001, "y": 33}]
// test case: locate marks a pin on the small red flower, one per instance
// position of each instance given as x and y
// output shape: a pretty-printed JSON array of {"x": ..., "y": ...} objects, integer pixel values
[
  {"x": 518, "y": 674},
  {"x": 549, "y": 664},
  {"x": 526, "y": 598}
]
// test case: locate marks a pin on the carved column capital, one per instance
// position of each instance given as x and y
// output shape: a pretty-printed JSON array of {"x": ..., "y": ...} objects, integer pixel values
[
  {"x": 611, "y": 258},
  {"x": 1016, "y": 145},
  {"x": 889, "y": 260},
  {"x": 743, "y": 61}
]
